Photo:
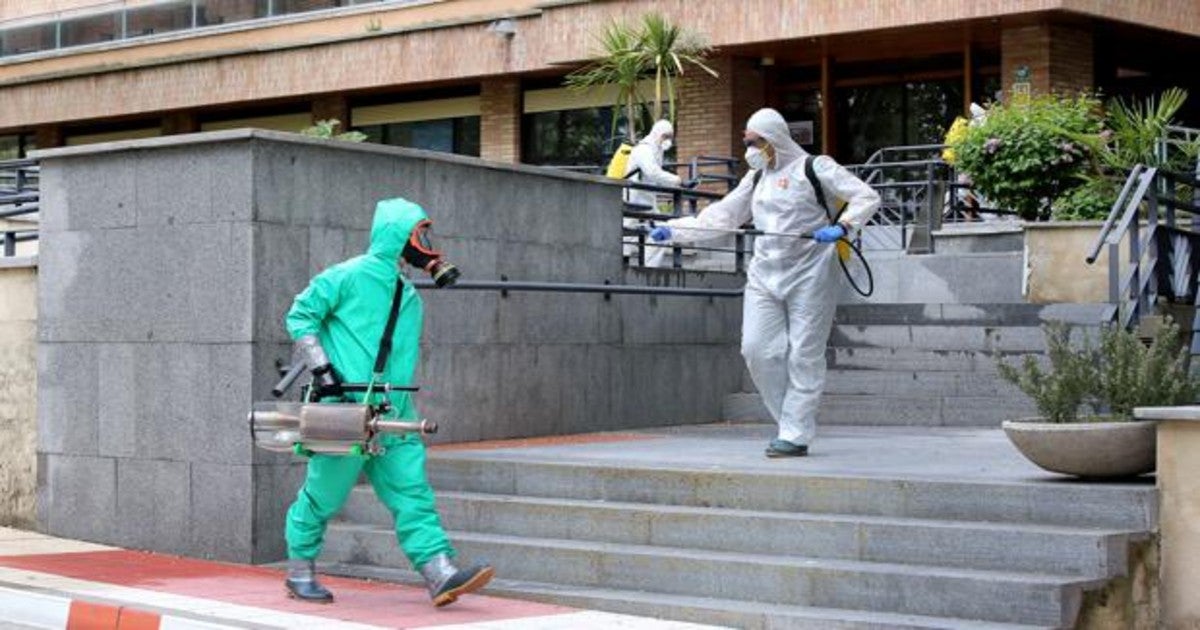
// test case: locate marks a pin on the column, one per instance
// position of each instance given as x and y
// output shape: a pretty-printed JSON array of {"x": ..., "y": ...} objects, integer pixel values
[
  {"x": 1060, "y": 59},
  {"x": 500, "y": 120},
  {"x": 334, "y": 107},
  {"x": 711, "y": 112}
]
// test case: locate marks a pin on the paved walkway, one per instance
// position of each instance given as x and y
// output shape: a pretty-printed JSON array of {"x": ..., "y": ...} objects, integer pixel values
[
  {"x": 49, "y": 582},
  {"x": 928, "y": 453}
]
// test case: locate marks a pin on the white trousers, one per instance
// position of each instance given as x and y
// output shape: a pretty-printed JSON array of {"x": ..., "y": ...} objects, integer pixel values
[{"x": 783, "y": 342}]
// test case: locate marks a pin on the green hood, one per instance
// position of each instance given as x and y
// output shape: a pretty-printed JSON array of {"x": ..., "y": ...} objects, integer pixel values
[{"x": 394, "y": 222}]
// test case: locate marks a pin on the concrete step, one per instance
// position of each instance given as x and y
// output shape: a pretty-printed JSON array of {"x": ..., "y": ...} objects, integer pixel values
[
  {"x": 708, "y": 610},
  {"x": 909, "y": 382},
  {"x": 927, "y": 364},
  {"x": 915, "y": 409},
  {"x": 939, "y": 337},
  {"x": 908, "y": 359},
  {"x": 993, "y": 546},
  {"x": 970, "y": 314},
  {"x": 1008, "y": 597},
  {"x": 922, "y": 410},
  {"x": 1112, "y": 507}
]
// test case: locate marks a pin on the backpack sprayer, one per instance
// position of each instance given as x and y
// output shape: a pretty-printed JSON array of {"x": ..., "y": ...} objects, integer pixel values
[{"x": 335, "y": 428}]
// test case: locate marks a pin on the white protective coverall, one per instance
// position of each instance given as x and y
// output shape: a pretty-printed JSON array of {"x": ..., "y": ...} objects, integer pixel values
[
  {"x": 792, "y": 283},
  {"x": 647, "y": 159}
]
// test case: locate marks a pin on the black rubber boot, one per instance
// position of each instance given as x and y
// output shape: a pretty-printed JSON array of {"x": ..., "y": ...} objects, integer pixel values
[
  {"x": 784, "y": 448},
  {"x": 447, "y": 582},
  {"x": 302, "y": 583}
]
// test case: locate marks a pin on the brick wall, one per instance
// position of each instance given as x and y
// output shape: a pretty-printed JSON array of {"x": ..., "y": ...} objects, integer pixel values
[
  {"x": 1072, "y": 60},
  {"x": 500, "y": 120},
  {"x": 1060, "y": 58},
  {"x": 712, "y": 112}
]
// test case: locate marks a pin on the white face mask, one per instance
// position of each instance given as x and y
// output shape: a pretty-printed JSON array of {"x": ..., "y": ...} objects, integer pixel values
[
  {"x": 666, "y": 144},
  {"x": 757, "y": 158}
]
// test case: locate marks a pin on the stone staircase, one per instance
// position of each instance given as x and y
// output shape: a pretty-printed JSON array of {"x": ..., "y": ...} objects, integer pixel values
[
  {"x": 926, "y": 364},
  {"x": 764, "y": 546},
  {"x": 762, "y": 549}
]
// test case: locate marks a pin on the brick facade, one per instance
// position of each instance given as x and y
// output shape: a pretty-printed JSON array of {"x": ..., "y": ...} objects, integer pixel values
[
  {"x": 1059, "y": 58},
  {"x": 500, "y": 120},
  {"x": 711, "y": 112}
]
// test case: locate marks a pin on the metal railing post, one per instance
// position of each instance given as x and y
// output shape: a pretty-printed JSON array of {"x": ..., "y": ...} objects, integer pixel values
[
  {"x": 739, "y": 254},
  {"x": 10, "y": 244},
  {"x": 1136, "y": 295}
]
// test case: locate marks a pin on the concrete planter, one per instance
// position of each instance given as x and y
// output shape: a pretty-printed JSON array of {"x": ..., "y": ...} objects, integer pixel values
[{"x": 1086, "y": 449}]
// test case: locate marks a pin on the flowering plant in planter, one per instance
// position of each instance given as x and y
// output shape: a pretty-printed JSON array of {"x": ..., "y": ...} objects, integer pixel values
[{"x": 1027, "y": 155}]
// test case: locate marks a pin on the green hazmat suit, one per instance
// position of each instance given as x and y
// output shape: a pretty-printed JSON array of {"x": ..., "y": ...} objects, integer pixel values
[{"x": 347, "y": 307}]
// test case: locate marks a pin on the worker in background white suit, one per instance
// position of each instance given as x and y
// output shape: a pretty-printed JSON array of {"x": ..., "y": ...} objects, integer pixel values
[
  {"x": 792, "y": 283},
  {"x": 645, "y": 166}
]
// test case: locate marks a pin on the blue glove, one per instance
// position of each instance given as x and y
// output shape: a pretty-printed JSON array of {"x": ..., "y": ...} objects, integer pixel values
[
  {"x": 829, "y": 233},
  {"x": 660, "y": 234}
]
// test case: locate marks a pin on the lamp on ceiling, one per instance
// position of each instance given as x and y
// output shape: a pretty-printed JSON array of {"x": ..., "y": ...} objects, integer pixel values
[{"x": 504, "y": 27}]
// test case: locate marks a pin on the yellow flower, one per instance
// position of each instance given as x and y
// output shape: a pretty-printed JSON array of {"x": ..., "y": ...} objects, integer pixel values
[{"x": 956, "y": 134}]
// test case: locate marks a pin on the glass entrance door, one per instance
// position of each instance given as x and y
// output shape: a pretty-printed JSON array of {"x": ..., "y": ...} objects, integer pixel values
[{"x": 871, "y": 117}]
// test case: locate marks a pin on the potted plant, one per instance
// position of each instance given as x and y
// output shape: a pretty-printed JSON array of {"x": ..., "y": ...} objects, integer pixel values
[{"x": 1086, "y": 398}]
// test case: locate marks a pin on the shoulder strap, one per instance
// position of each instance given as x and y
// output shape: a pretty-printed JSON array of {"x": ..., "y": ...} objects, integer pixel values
[
  {"x": 757, "y": 178},
  {"x": 385, "y": 344},
  {"x": 819, "y": 190}
]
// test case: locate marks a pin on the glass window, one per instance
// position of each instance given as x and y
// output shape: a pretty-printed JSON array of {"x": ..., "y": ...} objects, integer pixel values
[
  {"x": 10, "y": 147},
  {"x": 16, "y": 146},
  {"x": 213, "y": 12},
  {"x": 281, "y": 7},
  {"x": 898, "y": 114},
  {"x": 450, "y": 135},
  {"x": 91, "y": 29},
  {"x": 159, "y": 18},
  {"x": 466, "y": 135},
  {"x": 27, "y": 39},
  {"x": 802, "y": 110},
  {"x": 573, "y": 137}
]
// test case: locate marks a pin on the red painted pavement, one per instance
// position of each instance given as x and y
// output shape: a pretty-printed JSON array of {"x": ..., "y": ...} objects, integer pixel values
[{"x": 360, "y": 601}]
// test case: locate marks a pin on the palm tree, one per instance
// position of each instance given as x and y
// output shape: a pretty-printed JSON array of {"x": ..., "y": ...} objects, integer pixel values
[
  {"x": 667, "y": 48},
  {"x": 619, "y": 64},
  {"x": 631, "y": 54}
]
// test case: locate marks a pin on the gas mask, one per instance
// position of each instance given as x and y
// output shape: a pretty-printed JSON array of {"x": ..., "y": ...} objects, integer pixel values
[{"x": 419, "y": 252}]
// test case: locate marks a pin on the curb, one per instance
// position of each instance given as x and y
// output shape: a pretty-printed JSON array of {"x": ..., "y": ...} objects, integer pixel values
[{"x": 44, "y": 610}]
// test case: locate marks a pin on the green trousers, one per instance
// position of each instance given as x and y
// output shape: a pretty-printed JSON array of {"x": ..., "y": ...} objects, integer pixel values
[{"x": 398, "y": 476}]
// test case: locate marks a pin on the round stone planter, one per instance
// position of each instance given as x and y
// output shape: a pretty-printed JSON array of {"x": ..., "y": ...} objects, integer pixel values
[{"x": 1086, "y": 449}]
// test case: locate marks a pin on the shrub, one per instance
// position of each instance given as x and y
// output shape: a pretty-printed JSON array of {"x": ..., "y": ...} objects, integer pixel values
[
  {"x": 1059, "y": 392},
  {"x": 1025, "y": 156},
  {"x": 1112, "y": 378},
  {"x": 1134, "y": 375},
  {"x": 1091, "y": 201},
  {"x": 328, "y": 129}
]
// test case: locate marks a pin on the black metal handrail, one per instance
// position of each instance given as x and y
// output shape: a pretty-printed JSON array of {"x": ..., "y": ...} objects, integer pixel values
[
  {"x": 504, "y": 286},
  {"x": 684, "y": 202},
  {"x": 1162, "y": 263},
  {"x": 18, "y": 197}
]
